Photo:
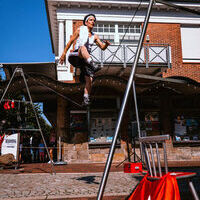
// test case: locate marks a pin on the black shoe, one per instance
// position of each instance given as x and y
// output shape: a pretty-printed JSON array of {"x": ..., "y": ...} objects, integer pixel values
[{"x": 95, "y": 67}]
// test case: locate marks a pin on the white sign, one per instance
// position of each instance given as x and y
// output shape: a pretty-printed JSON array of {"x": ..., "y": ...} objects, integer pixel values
[{"x": 10, "y": 145}]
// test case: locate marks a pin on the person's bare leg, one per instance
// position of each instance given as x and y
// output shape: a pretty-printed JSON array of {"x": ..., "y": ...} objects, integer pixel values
[
  {"x": 87, "y": 89},
  {"x": 83, "y": 53}
]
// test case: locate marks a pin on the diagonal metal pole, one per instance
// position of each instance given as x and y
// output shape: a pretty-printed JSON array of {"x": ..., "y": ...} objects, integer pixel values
[
  {"x": 37, "y": 120},
  {"x": 130, "y": 82},
  {"x": 5, "y": 91}
]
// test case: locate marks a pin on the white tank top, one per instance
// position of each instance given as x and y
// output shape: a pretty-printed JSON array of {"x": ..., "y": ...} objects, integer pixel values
[{"x": 84, "y": 40}]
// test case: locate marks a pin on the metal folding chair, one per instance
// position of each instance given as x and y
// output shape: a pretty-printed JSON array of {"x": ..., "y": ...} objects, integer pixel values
[{"x": 154, "y": 155}]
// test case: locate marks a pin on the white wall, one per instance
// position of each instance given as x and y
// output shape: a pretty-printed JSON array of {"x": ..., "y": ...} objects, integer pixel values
[{"x": 190, "y": 37}]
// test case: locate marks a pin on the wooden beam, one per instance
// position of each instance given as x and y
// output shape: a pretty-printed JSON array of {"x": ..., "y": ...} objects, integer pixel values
[{"x": 172, "y": 80}]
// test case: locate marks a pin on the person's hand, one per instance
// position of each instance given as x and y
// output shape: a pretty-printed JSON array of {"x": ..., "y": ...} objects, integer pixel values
[
  {"x": 107, "y": 42},
  {"x": 62, "y": 59}
]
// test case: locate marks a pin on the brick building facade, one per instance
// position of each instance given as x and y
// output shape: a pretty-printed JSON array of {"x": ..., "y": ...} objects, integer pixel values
[{"x": 164, "y": 107}]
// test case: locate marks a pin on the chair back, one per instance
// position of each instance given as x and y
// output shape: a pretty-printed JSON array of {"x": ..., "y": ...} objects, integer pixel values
[{"x": 151, "y": 152}]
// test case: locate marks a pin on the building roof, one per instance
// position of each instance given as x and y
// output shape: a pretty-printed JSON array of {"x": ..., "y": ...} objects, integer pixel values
[{"x": 47, "y": 69}]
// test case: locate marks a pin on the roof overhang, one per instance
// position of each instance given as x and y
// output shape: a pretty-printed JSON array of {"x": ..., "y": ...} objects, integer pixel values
[{"x": 47, "y": 69}]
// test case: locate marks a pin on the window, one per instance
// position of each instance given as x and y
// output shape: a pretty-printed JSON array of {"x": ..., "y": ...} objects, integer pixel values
[
  {"x": 190, "y": 43},
  {"x": 102, "y": 128},
  {"x": 103, "y": 120},
  {"x": 129, "y": 29},
  {"x": 118, "y": 33},
  {"x": 186, "y": 128},
  {"x": 105, "y": 28}
]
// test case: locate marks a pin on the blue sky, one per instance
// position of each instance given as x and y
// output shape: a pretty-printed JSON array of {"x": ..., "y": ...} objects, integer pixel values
[{"x": 24, "y": 34}]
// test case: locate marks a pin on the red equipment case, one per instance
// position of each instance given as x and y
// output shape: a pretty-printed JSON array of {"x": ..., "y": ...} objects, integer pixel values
[{"x": 133, "y": 167}]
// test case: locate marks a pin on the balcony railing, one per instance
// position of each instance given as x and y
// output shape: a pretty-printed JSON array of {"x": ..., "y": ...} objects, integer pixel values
[{"x": 151, "y": 55}]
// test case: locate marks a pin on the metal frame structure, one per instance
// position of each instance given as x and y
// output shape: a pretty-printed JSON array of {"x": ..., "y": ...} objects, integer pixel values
[
  {"x": 20, "y": 71},
  {"x": 130, "y": 83}
]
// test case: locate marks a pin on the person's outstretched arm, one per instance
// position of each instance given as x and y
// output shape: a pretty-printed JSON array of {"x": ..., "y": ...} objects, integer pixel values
[
  {"x": 71, "y": 41},
  {"x": 99, "y": 43}
]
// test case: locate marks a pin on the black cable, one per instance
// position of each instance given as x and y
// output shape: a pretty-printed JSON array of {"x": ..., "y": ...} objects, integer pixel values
[
  {"x": 65, "y": 97},
  {"x": 124, "y": 34},
  {"x": 121, "y": 40}
]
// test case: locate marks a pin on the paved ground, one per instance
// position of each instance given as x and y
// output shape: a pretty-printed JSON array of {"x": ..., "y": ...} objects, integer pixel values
[
  {"x": 33, "y": 182},
  {"x": 79, "y": 181},
  {"x": 63, "y": 185}
]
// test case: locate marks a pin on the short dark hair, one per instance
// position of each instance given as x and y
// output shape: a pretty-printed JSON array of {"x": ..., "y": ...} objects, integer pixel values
[{"x": 85, "y": 18}]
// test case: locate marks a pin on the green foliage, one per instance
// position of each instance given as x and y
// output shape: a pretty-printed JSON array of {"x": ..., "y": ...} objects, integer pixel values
[{"x": 22, "y": 116}]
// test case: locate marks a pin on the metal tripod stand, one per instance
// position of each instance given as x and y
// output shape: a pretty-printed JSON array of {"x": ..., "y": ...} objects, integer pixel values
[{"x": 20, "y": 71}]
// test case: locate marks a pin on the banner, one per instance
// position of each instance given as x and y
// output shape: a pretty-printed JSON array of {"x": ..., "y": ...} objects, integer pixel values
[
  {"x": 10, "y": 145},
  {"x": 166, "y": 188}
]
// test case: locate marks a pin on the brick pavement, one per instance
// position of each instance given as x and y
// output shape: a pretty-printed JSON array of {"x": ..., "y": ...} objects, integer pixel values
[
  {"x": 74, "y": 181},
  {"x": 64, "y": 186}
]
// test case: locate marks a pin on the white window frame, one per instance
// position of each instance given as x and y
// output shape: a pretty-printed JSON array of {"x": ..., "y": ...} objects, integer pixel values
[
  {"x": 190, "y": 40},
  {"x": 116, "y": 35}
]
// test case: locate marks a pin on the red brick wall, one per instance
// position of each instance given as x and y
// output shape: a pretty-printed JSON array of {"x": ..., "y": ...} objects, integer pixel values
[
  {"x": 189, "y": 70},
  {"x": 170, "y": 34}
]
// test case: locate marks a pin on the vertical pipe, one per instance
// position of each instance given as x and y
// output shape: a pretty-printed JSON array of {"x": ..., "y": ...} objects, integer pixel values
[
  {"x": 88, "y": 119},
  {"x": 147, "y": 57},
  {"x": 124, "y": 51},
  {"x": 136, "y": 110},
  {"x": 165, "y": 157},
  {"x": 60, "y": 150},
  {"x": 137, "y": 118},
  {"x": 130, "y": 82},
  {"x": 153, "y": 161},
  {"x": 148, "y": 159},
  {"x": 167, "y": 56},
  {"x": 158, "y": 160}
]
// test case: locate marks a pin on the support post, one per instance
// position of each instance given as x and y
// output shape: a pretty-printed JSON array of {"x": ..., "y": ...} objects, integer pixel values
[
  {"x": 137, "y": 118},
  {"x": 60, "y": 150},
  {"x": 88, "y": 119},
  {"x": 130, "y": 82},
  {"x": 136, "y": 109}
]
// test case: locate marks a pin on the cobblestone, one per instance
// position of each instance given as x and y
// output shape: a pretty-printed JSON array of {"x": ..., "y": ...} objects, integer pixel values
[{"x": 63, "y": 185}]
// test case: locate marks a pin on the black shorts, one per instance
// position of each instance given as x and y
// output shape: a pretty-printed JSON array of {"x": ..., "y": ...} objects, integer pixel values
[{"x": 78, "y": 62}]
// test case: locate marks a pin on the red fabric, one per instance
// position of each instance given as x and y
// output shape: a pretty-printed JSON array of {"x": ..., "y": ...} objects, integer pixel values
[
  {"x": 1, "y": 139},
  {"x": 6, "y": 105},
  {"x": 12, "y": 104},
  {"x": 166, "y": 188}
]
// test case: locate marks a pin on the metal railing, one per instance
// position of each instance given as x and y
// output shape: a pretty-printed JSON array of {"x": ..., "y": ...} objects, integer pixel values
[{"x": 151, "y": 55}]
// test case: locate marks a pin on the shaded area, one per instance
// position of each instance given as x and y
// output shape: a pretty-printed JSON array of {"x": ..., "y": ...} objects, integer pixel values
[{"x": 88, "y": 179}]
